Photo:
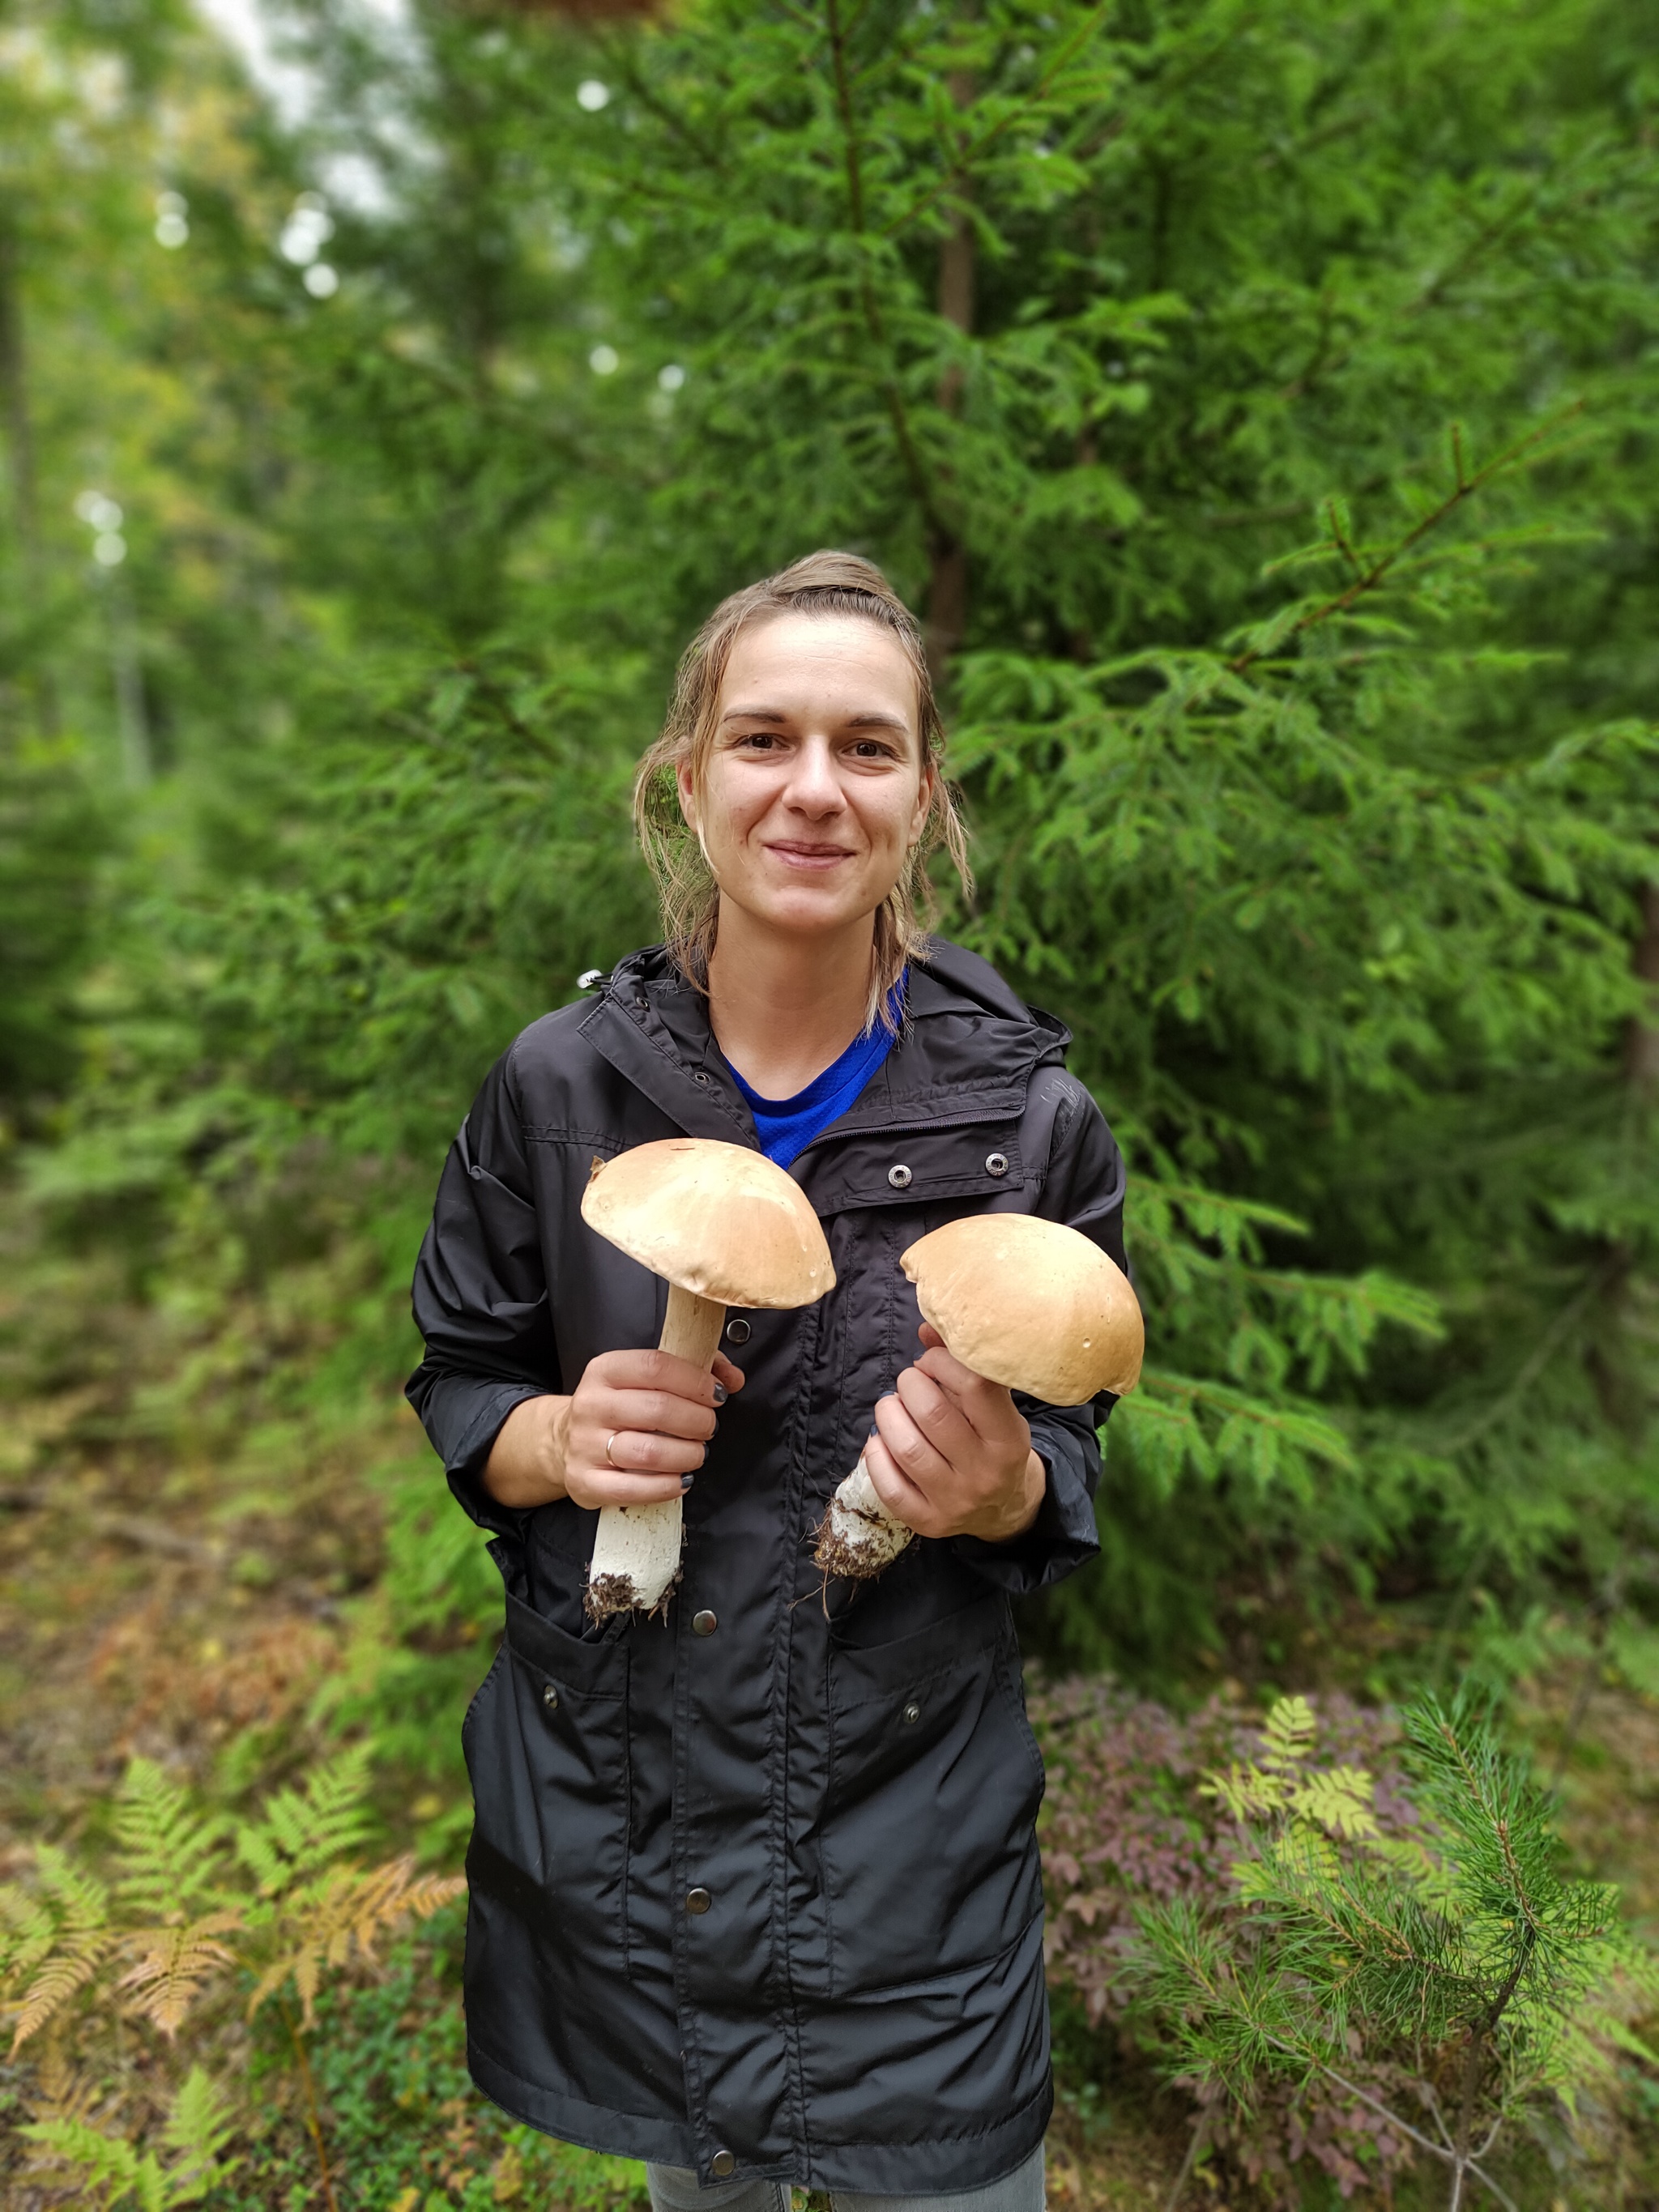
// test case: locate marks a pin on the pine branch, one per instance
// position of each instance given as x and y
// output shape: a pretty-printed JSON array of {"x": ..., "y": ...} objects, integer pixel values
[
  {"x": 965, "y": 160},
  {"x": 1464, "y": 488}
]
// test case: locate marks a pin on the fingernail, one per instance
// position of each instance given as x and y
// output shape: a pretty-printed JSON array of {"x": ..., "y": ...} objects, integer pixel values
[
  {"x": 686, "y": 1481},
  {"x": 719, "y": 1394}
]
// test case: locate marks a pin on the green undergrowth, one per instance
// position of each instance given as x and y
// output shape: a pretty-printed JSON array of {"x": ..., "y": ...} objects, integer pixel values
[{"x": 406, "y": 2130}]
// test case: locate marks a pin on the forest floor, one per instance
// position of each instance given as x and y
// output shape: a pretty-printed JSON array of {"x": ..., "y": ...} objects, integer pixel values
[{"x": 185, "y": 1588}]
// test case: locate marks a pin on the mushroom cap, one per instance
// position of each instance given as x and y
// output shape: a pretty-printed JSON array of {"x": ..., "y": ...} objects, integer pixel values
[
  {"x": 718, "y": 1219},
  {"x": 1030, "y": 1304}
]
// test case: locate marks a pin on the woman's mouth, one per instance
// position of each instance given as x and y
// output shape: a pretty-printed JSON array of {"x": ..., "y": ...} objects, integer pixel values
[{"x": 796, "y": 853}]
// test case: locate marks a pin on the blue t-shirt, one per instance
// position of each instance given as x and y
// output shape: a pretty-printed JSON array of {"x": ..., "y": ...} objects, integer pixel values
[{"x": 786, "y": 1127}]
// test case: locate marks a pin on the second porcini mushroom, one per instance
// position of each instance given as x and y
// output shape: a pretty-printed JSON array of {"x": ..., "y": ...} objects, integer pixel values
[
  {"x": 726, "y": 1228},
  {"x": 1028, "y": 1304}
]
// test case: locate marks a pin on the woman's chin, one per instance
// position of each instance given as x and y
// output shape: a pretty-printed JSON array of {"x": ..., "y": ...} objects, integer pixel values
[{"x": 805, "y": 910}]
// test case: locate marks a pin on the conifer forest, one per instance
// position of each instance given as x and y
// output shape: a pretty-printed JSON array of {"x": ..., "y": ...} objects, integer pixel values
[{"x": 1258, "y": 401}]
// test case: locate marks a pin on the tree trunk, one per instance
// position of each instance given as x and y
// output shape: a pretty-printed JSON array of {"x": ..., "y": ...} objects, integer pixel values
[
  {"x": 1642, "y": 1038},
  {"x": 19, "y": 448}
]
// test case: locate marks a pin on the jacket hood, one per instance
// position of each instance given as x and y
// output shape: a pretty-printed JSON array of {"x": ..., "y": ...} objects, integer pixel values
[{"x": 967, "y": 1048}]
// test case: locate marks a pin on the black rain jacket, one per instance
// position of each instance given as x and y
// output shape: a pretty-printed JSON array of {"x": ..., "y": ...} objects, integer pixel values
[{"x": 845, "y": 1782}]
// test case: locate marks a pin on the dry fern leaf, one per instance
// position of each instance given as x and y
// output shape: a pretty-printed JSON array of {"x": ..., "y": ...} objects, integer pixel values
[
  {"x": 171, "y": 1964},
  {"x": 349, "y": 1907},
  {"x": 63, "y": 1974},
  {"x": 392, "y": 1893}
]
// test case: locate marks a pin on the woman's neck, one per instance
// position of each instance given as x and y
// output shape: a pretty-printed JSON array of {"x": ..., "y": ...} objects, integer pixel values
[{"x": 784, "y": 1008}]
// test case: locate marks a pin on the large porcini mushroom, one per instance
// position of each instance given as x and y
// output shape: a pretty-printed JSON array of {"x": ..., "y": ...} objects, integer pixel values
[
  {"x": 1028, "y": 1304},
  {"x": 726, "y": 1228}
]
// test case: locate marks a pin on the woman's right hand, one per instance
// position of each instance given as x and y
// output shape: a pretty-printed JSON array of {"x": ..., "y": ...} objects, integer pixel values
[{"x": 656, "y": 1413}]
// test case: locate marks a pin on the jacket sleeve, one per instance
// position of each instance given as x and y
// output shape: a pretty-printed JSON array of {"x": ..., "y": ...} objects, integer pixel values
[
  {"x": 1083, "y": 1186},
  {"x": 480, "y": 1300}
]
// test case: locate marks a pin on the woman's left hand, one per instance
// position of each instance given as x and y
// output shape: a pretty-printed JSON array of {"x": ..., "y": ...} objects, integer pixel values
[{"x": 952, "y": 1455}]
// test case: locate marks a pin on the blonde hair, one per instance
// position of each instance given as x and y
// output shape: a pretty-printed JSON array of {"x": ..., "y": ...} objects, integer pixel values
[{"x": 826, "y": 583}]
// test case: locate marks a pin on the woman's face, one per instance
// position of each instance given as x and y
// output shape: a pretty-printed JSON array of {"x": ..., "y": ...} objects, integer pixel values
[{"x": 815, "y": 788}]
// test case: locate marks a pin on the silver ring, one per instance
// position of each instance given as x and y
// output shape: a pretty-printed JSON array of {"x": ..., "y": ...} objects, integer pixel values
[{"x": 609, "y": 1441}]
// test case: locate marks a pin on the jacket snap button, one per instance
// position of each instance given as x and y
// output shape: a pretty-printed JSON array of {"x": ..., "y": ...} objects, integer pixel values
[
  {"x": 697, "y": 1900},
  {"x": 640, "y": 1000},
  {"x": 698, "y": 1077},
  {"x": 550, "y": 1699},
  {"x": 722, "y": 2164},
  {"x": 900, "y": 1177},
  {"x": 911, "y": 1714},
  {"x": 737, "y": 1332},
  {"x": 703, "y": 1623},
  {"x": 997, "y": 1165}
]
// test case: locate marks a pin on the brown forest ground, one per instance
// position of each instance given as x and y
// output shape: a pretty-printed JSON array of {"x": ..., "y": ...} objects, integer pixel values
[{"x": 180, "y": 1553}]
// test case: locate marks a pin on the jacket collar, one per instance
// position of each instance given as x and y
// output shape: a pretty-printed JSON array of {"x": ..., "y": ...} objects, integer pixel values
[{"x": 966, "y": 1052}]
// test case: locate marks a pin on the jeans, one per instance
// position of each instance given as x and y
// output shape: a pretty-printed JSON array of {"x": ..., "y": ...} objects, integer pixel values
[{"x": 674, "y": 2189}]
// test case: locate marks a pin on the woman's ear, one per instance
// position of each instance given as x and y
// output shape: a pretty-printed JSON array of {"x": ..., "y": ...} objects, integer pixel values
[
  {"x": 687, "y": 791},
  {"x": 924, "y": 799}
]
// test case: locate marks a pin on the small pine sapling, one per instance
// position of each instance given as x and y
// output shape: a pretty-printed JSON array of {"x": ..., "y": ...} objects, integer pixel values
[{"x": 1450, "y": 1974}]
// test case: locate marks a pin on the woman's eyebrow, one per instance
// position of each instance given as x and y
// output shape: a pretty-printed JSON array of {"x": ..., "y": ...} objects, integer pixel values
[{"x": 873, "y": 718}]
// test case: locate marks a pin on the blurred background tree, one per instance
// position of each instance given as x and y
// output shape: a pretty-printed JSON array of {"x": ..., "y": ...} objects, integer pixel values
[{"x": 1258, "y": 407}]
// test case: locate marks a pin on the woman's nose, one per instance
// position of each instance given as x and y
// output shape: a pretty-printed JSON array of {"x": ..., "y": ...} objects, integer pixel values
[{"x": 814, "y": 786}]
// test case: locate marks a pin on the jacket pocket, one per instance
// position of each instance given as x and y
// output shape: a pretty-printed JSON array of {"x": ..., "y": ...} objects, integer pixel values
[
  {"x": 546, "y": 1745},
  {"x": 930, "y": 1809}
]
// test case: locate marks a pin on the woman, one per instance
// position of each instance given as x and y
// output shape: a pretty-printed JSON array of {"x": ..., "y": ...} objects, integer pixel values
[{"x": 754, "y": 1886}]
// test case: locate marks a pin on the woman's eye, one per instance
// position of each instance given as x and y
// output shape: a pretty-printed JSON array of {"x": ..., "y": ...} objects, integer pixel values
[
  {"x": 873, "y": 749},
  {"x": 760, "y": 741}
]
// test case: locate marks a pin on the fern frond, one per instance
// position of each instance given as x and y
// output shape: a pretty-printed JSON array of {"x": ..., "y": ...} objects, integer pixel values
[
  {"x": 62, "y": 2091},
  {"x": 198, "y": 2131},
  {"x": 199, "y": 2125},
  {"x": 170, "y": 1965},
  {"x": 259, "y": 1853},
  {"x": 1246, "y": 1792},
  {"x": 52, "y": 1988},
  {"x": 346, "y": 1908},
  {"x": 108, "y": 2163},
  {"x": 392, "y": 1893},
  {"x": 1340, "y": 1801},
  {"x": 169, "y": 1854},
  {"x": 30, "y": 1931},
  {"x": 84, "y": 1902},
  {"x": 1287, "y": 1736},
  {"x": 303, "y": 1832}
]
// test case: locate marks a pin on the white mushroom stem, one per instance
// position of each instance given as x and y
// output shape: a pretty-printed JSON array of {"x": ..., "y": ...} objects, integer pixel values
[
  {"x": 860, "y": 1536},
  {"x": 636, "y": 1552}
]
